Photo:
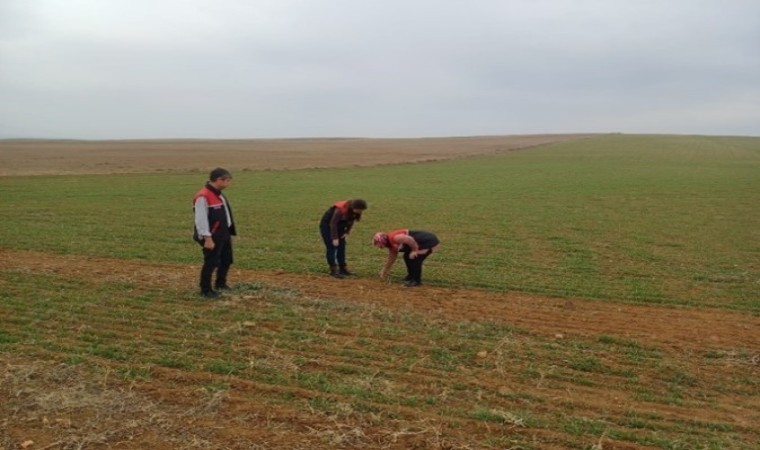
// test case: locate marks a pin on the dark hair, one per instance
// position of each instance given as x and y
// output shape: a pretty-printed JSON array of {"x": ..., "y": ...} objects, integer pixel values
[
  {"x": 358, "y": 204},
  {"x": 219, "y": 173}
]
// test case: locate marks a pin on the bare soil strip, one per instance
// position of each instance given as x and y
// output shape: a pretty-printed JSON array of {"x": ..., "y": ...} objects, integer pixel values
[
  {"x": 51, "y": 157},
  {"x": 62, "y": 406},
  {"x": 46, "y": 404},
  {"x": 679, "y": 328}
]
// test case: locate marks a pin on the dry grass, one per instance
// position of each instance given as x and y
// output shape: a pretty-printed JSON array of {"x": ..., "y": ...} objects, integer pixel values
[
  {"x": 50, "y": 157},
  {"x": 291, "y": 362}
]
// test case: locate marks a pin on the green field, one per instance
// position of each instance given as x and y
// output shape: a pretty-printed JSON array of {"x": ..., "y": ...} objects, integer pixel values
[
  {"x": 661, "y": 219},
  {"x": 121, "y": 352}
]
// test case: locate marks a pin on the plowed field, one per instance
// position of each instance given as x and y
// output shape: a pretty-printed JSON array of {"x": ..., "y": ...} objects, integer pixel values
[{"x": 106, "y": 353}]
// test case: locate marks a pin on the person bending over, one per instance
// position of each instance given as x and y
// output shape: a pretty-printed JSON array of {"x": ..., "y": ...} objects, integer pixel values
[
  {"x": 335, "y": 225},
  {"x": 416, "y": 245}
]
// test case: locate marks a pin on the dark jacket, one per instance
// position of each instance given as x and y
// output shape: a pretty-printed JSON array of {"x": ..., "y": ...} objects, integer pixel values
[{"x": 217, "y": 215}]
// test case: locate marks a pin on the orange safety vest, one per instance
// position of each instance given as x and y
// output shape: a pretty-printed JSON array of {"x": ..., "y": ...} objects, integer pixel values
[{"x": 392, "y": 234}]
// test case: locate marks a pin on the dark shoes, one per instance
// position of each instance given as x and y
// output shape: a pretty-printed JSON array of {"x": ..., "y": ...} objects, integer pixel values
[
  {"x": 214, "y": 293},
  {"x": 341, "y": 272},
  {"x": 409, "y": 281},
  {"x": 336, "y": 273}
]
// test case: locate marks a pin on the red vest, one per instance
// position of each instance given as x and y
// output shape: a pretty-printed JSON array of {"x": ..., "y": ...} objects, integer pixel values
[
  {"x": 213, "y": 200},
  {"x": 343, "y": 207},
  {"x": 392, "y": 234},
  {"x": 217, "y": 215}
]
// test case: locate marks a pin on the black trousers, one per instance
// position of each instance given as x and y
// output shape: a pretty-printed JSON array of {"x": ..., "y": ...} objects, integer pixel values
[
  {"x": 414, "y": 266},
  {"x": 333, "y": 253},
  {"x": 219, "y": 259}
]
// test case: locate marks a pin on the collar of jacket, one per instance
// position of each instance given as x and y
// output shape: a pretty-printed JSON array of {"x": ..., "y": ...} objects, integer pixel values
[{"x": 211, "y": 188}]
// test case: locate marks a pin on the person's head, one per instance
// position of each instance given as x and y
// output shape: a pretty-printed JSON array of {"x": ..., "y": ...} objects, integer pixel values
[
  {"x": 380, "y": 240},
  {"x": 220, "y": 178},
  {"x": 357, "y": 206}
]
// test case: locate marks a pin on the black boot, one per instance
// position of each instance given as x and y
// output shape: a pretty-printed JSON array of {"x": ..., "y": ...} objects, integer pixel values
[
  {"x": 335, "y": 272},
  {"x": 344, "y": 271}
]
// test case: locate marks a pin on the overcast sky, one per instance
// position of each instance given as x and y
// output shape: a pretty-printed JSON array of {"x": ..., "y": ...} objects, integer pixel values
[{"x": 119, "y": 69}]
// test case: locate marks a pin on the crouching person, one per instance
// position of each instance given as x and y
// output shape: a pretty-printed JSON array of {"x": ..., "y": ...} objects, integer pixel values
[{"x": 416, "y": 245}]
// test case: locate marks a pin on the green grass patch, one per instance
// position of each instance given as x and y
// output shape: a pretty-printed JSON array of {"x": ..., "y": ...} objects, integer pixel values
[
  {"x": 660, "y": 219},
  {"x": 653, "y": 219},
  {"x": 394, "y": 360}
]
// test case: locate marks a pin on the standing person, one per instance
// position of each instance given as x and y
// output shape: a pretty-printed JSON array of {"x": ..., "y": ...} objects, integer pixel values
[
  {"x": 335, "y": 225},
  {"x": 214, "y": 229},
  {"x": 416, "y": 245}
]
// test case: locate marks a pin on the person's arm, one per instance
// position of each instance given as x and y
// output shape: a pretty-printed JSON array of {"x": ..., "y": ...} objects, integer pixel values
[
  {"x": 201, "y": 222},
  {"x": 334, "y": 227},
  {"x": 392, "y": 254},
  {"x": 414, "y": 248},
  {"x": 405, "y": 239}
]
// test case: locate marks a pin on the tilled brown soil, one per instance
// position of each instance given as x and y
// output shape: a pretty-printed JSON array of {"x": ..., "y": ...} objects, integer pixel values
[
  {"x": 51, "y": 157},
  {"x": 48, "y": 405},
  {"x": 158, "y": 405},
  {"x": 674, "y": 327}
]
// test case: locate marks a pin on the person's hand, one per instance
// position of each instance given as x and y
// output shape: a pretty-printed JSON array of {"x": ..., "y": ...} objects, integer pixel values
[
  {"x": 208, "y": 243},
  {"x": 336, "y": 242},
  {"x": 413, "y": 254},
  {"x": 383, "y": 273}
]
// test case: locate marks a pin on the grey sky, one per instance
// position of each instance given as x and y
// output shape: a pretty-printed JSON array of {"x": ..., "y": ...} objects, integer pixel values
[{"x": 113, "y": 69}]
